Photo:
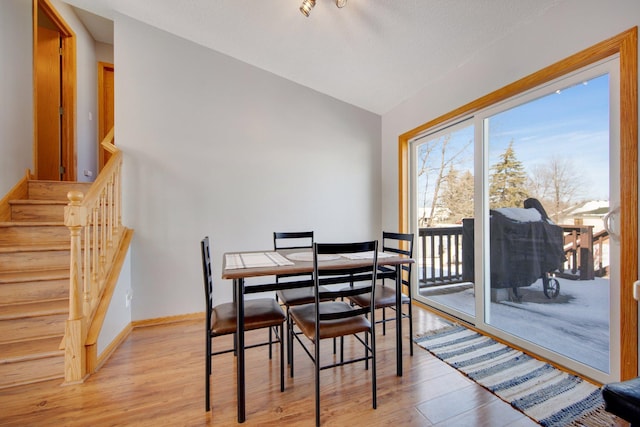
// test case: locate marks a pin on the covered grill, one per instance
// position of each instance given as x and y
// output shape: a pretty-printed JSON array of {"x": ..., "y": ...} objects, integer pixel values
[{"x": 525, "y": 246}]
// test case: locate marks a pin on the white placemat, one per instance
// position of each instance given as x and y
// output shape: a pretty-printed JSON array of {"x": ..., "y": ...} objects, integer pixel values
[
  {"x": 366, "y": 255},
  {"x": 308, "y": 256},
  {"x": 255, "y": 259}
]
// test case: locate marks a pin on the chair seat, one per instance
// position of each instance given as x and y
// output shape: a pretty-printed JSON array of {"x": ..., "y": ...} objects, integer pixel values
[
  {"x": 258, "y": 313},
  {"x": 298, "y": 296},
  {"x": 623, "y": 399},
  {"x": 385, "y": 297},
  {"x": 304, "y": 316}
]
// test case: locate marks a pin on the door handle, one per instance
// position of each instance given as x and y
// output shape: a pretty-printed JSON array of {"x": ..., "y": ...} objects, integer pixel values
[{"x": 606, "y": 221}]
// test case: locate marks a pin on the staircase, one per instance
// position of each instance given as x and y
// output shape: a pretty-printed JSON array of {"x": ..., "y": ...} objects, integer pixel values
[{"x": 34, "y": 284}]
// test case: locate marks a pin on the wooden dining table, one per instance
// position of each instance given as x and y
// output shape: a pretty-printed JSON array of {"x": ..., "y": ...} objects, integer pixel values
[{"x": 238, "y": 266}]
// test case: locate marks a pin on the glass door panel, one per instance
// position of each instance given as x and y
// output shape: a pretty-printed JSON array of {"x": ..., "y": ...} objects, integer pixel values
[
  {"x": 443, "y": 184},
  {"x": 548, "y": 257}
]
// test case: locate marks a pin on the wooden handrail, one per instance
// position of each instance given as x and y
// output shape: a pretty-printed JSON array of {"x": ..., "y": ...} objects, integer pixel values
[{"x": 95, "y": 224}]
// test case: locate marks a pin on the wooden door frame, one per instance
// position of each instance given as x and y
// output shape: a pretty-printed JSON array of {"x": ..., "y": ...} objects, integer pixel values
[
  {"x": 626, "y": 45},
  {"x": 68, "y": 140},
  {"x": 102, "y": 132}
]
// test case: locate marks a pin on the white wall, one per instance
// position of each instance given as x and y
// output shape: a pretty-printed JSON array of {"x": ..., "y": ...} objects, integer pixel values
[
  {"x": 86, "y": 94},
  {"x": 565, "y": 29},
  {"x": 213, "y": 146},
  {"x": 104, "y": 52},
  {"x": 16, "y": 94},
  {"x": 118, "y": 315}
]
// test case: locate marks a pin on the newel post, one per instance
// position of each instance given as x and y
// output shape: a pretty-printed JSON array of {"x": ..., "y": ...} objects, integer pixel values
[{"x": 75, "y": 366}]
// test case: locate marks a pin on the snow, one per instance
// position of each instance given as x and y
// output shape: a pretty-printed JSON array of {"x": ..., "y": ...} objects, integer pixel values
[
  {"x": 520, "y": 214},
  {"x": 575, "y": 324}
]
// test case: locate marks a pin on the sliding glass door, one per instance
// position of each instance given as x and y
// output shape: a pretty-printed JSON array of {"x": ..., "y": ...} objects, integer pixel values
[{"x": 515, "y": 210}]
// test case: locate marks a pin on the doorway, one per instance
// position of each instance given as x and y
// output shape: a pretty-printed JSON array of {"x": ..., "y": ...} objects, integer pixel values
[
  {"x": 54, "y": 95},
  {"x": 105, "y": 108},
  {"x": 493, "y": 153}
]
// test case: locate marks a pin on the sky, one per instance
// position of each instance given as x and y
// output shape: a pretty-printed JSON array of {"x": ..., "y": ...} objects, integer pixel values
[{"x": 569, "y": 124}]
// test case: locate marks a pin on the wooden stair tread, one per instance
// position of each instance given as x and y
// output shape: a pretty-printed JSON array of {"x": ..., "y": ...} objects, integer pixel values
[
  {"x": 32, "y": 224},
  {"x": 34, "y": 309},
  {"x": 30, "y": 350},
  {"x": 38, "y": 202},
  {"x": 35, "y": 247},
  {"x": 33, "y": 275}
]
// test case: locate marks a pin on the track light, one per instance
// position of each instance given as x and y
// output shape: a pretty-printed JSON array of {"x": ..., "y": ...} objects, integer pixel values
[{"x": 307, "y": 5}]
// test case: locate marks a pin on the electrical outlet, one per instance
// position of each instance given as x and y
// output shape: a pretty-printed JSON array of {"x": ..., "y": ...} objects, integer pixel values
[
  {"x": 128, "y": 298},
  {"x": 88, "y": 173}
]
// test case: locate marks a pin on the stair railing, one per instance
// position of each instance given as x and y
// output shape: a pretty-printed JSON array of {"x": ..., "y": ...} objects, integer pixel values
[{"x": 95, "y": 223}]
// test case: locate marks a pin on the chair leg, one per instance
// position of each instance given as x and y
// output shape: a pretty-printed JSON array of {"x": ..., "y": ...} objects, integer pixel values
[
  {"x": 281, "y": 358},
  {"x": 373, "y": 368},
  {"x": 290, "y": 346},
  {"x": 270, "y": 343},
  {"x": 384, "y": 321},
  {"x": 316, "y": 364},
  {"x": 410, "y": 327},
  {"x": 366, "y": 351},
  {"x": 207, "y": 376}
]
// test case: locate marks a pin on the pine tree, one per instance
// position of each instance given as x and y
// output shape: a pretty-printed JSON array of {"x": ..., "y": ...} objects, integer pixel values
[
  {"x": 457, "y": 196},
  {"x": 507, "y": 182}
]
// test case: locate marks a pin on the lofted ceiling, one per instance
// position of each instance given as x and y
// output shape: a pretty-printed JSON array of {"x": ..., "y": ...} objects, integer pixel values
[{"x": 373, "y": 54}]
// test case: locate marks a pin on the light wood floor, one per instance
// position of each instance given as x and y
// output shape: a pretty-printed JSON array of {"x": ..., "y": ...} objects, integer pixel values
[{"x": 156, "y": 378}]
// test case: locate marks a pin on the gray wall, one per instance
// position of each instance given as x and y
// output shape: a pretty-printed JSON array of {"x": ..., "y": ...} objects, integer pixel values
[
  {"x": 216, "y": 147},
  {"x": 16, "y": 94}
]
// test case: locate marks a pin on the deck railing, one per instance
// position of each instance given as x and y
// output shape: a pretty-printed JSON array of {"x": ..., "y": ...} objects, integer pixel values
[
  {"x": 440, "y": 255},
  {"x": 442, "y": 260},
  {"x": 95, "y": 224}
]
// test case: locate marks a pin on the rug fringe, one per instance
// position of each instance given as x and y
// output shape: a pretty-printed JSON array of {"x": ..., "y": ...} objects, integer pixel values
[
  {"x": 427, "y": 334},
  {"x": 597, "y": 418}
]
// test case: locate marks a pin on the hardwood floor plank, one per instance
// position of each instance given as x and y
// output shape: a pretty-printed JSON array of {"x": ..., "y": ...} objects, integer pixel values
[{"x": 156, "y": 378}]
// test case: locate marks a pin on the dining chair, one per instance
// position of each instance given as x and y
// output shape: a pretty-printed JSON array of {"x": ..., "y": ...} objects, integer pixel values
[
  {"x": 221, "y": 320},
  {"x": 328, "y": 317},
  {"x": 292, "y": 297},
  {"x": 385, "y": 296}
]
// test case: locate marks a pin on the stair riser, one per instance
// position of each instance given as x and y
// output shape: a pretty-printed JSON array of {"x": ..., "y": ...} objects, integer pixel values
[
  {"x": 33, "y": 234},
  {"x": 32, "y": 327},
  {"x": 34, "y": 291},
  {"x": 37, "y": 260},
  {"x": 22, "y": 212},
  {"x": 54, "y": 190},
  {"x": 30, "y": 371}
]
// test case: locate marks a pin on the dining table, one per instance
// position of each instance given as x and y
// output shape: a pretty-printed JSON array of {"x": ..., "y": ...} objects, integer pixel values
[{"x": 238, "y": 266}]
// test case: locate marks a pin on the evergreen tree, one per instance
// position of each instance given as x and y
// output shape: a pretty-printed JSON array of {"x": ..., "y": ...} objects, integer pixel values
[
  {"x": 508, "y": 180},
  {"x": 457, "y": 196}
]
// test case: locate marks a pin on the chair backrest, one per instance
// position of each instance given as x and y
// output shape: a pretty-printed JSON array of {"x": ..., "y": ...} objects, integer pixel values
[
  {"x": 293, "y": 240},
  {"x": 360, "y": 278},
  {"x": 208, "y": 276},
  {"x": 401, "y": 244}
]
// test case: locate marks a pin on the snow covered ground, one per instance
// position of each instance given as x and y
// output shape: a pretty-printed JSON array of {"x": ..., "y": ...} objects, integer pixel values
[{"x": 575, "y": 324}]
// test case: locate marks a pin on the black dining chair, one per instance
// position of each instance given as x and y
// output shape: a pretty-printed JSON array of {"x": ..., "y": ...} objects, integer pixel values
[
  {"x": 291, "y": 240},
  {"x": 327, "y": 317},
  {"x": 385, "y": 296},
  {"x": 221, "y": 320}
]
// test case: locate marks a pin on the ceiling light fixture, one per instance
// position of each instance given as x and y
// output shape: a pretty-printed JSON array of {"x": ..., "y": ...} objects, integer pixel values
[{"x": 307, "y": 5}]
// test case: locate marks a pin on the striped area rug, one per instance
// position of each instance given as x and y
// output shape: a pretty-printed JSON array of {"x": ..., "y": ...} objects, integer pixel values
[{"x": 545, "y": 394}]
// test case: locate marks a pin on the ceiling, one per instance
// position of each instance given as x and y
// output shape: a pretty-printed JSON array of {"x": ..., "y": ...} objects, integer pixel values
[{"x": 373, "y": 54}]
